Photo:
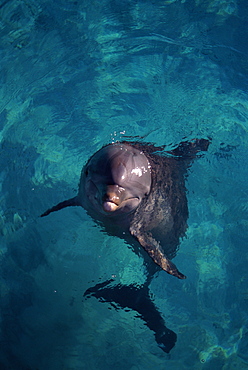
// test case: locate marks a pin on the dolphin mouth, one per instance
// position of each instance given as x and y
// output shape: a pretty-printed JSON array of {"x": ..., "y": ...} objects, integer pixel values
[
  {"x": 111, "y": 201},
  {"x": 109, "y": 206}
]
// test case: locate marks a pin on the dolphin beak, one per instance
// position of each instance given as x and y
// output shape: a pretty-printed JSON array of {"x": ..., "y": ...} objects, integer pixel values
[
  {"x": 109, "y": 206},
  {"x": 112, "y": 198}
]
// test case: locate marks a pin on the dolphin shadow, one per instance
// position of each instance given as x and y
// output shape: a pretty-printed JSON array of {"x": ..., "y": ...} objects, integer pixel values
[{"x": 137, "y": 299}]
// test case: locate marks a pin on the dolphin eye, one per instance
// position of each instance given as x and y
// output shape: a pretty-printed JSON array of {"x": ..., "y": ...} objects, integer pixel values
[{"x": 86, "y": 172}]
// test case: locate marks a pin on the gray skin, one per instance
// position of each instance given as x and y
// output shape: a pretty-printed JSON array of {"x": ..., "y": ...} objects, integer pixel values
[{"x": 139, "y": 195}]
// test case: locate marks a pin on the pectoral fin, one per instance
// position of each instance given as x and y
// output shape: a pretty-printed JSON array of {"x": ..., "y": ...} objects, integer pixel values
[
  {"x": 153, "y": 248},
  {"x": 67, "y": 203}
]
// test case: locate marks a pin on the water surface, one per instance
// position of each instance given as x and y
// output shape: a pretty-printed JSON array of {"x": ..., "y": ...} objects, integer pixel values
[{"x": 76, "y": 75}]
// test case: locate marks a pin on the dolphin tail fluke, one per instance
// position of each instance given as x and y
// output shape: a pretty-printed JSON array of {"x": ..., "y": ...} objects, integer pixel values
[{"x": 65, "y": 203}]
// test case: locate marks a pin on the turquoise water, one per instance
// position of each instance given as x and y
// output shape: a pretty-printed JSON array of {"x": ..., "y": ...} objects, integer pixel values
[{"x": 76, "y": 75}]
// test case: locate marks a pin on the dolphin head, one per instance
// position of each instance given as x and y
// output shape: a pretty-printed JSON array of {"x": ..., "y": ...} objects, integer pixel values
[{"x": 116, "y": 179}]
